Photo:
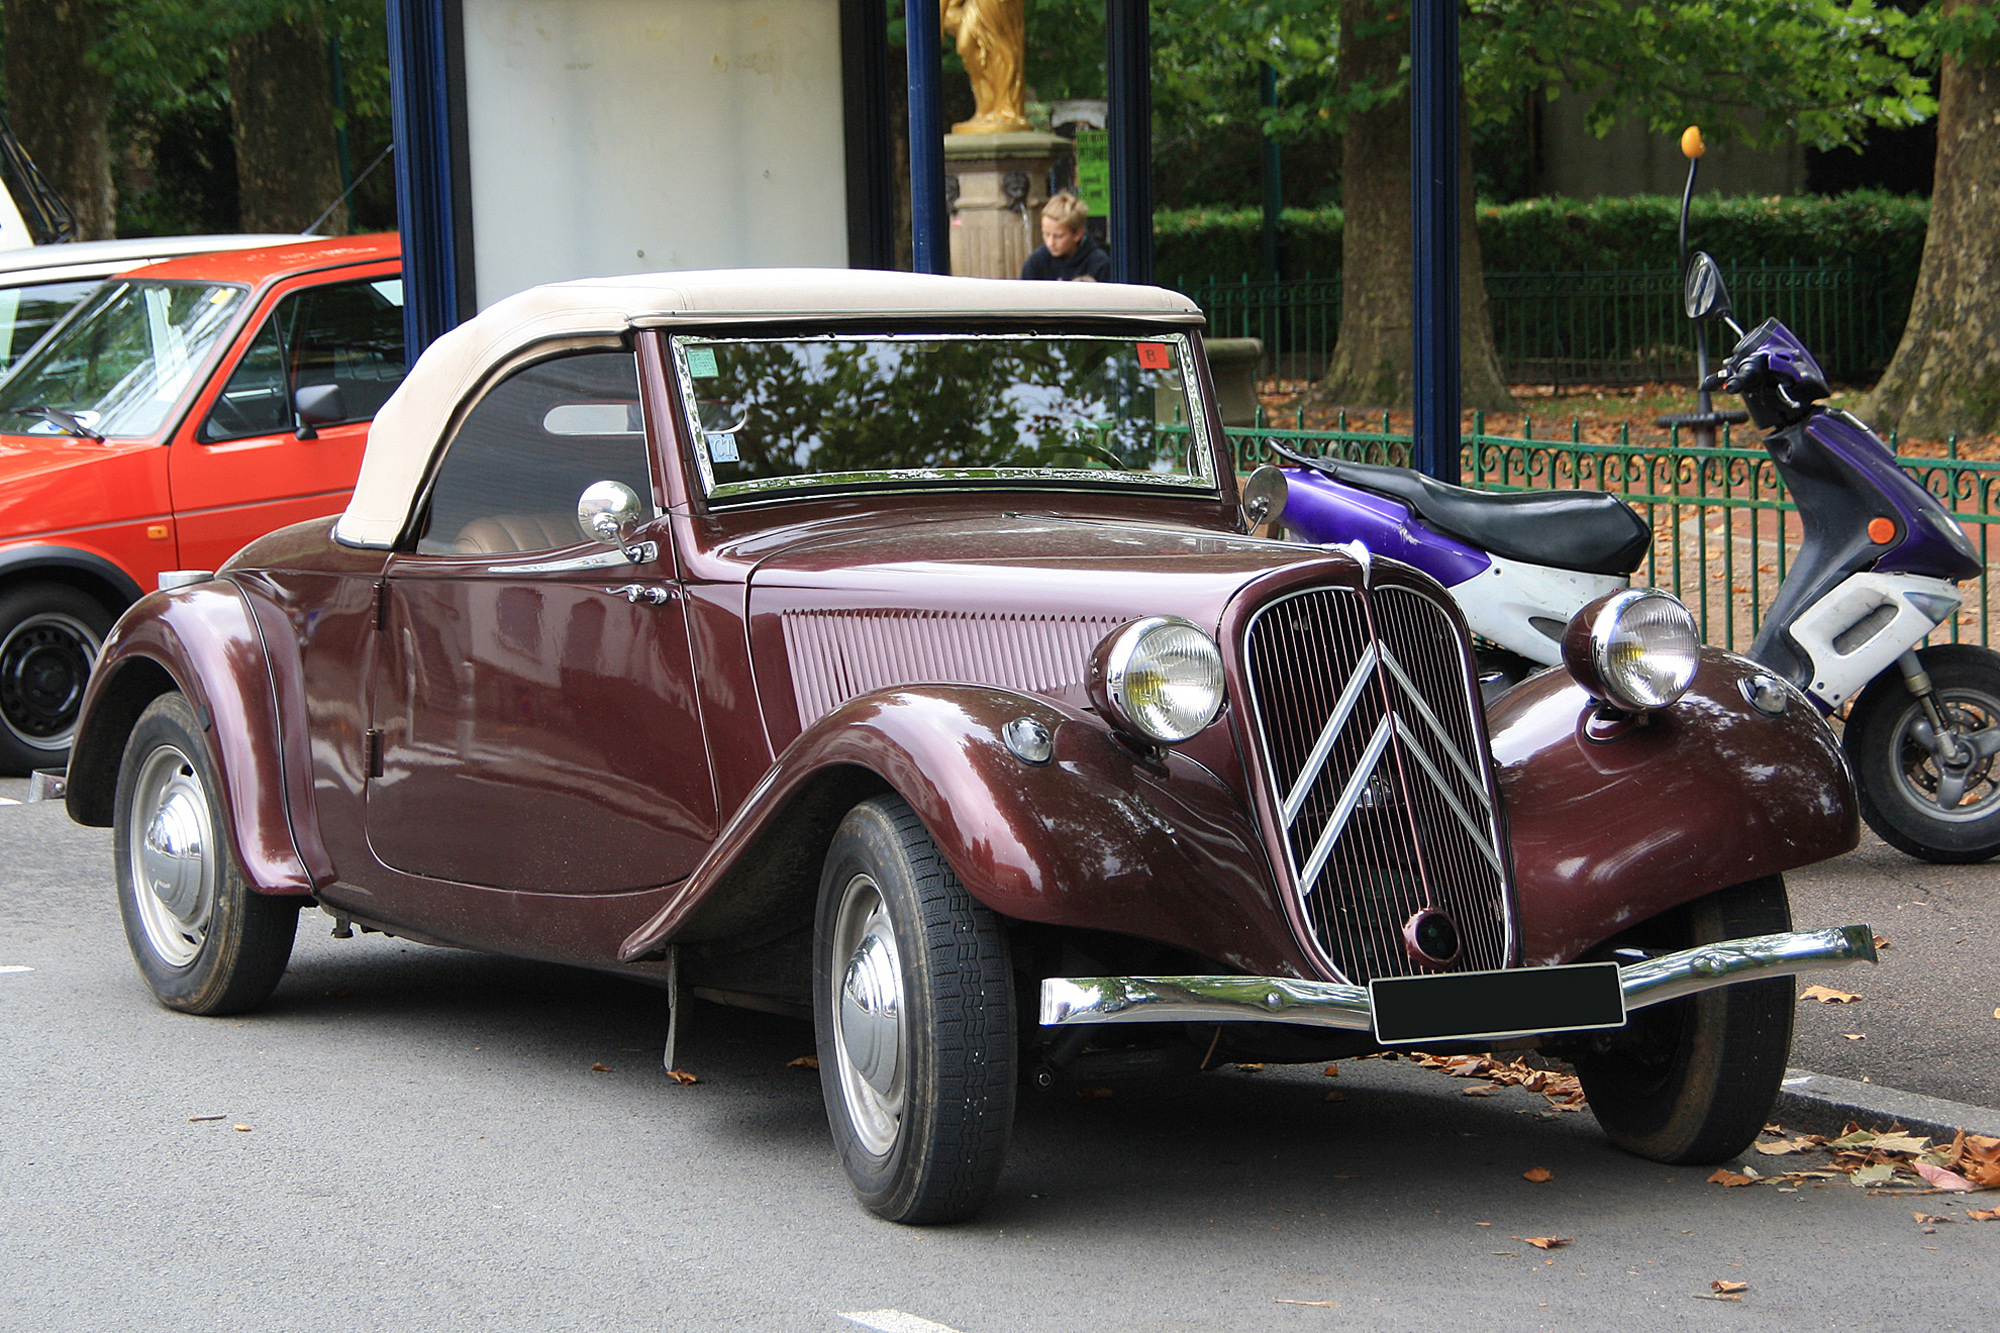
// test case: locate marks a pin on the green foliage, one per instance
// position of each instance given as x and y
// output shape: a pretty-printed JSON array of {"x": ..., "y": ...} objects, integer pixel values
[{"x": 1868, "y": 229}]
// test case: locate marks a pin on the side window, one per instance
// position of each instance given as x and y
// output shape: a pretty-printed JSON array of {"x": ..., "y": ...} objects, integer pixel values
[
  {"x": 344, "y": 340},
  {"x": 527, "y": 451}
]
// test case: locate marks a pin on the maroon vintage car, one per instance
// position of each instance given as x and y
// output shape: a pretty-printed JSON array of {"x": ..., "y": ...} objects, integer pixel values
[{"x": 895, "y": 649}]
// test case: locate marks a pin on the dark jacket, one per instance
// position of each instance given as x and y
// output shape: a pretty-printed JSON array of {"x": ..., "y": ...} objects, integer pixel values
[{"x": 1089, "y": 260}]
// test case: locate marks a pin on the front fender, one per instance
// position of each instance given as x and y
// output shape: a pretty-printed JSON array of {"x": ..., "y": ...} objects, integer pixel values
[
  {"x": 1706, "y": 794},
  {"x": 202, "y": 641},
  {"x": 1100, "y": 838}
]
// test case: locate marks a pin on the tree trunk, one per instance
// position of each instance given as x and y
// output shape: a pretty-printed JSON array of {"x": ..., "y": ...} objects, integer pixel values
[
  {"x": 1945, "y": 376},
  {"x": 281, "y": 108},
  {"x": 1374, "y": 357},
  {"x": 60, "y": 107}
]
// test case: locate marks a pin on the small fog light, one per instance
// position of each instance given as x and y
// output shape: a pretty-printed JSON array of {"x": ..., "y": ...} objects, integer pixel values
[{"x": 1029, "y": 740}]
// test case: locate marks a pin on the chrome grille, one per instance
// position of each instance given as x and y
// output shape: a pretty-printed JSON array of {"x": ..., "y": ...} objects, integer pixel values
[{"x": 1363, "y": 704}]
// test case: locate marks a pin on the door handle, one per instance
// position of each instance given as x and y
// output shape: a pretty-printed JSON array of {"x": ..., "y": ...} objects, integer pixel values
[{"x": 640, "y": 592}]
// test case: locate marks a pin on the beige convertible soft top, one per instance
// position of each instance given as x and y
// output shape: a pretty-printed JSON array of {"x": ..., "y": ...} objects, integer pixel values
[{"x": 409, "y": 428}]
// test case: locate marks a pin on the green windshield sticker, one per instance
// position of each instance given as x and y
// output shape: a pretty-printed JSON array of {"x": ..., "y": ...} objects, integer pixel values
[{"x": 701, "y": 362}]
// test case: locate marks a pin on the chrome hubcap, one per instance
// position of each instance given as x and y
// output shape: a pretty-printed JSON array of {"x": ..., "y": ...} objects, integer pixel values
[
  {"x": 867, "y": 1003},
  {"x": 172, "y": 861}
]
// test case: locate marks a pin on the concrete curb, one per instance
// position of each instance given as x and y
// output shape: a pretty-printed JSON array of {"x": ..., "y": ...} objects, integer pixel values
[{"x": 1820, "y": 1104}]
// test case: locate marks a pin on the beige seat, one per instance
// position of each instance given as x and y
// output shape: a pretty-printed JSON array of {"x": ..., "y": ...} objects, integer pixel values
[{"x": 504, "y": 534}]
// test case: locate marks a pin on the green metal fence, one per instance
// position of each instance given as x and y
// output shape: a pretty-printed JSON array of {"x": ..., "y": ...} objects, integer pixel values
[
  {"x": 1724, "y": 528},
  {"x": 1617, "y": 327}
]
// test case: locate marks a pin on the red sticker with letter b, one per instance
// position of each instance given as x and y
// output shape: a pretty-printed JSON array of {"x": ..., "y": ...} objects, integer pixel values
[{"x": 1155, "y": 356}]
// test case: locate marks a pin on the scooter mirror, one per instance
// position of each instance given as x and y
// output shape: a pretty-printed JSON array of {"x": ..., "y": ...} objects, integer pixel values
[
  {"x": 1706, "y": 296},
  {"x": 1264, "y": 496}
]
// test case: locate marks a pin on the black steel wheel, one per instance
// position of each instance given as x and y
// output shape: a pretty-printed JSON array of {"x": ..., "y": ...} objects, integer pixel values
[
  {"x": 1694, "y": 1080},
  {"x": 1937, "y": 798},
  {"x": 205, "y": 942},
  {"x": 49, "y": 637},
  {"x": 913, "y": 1009}
]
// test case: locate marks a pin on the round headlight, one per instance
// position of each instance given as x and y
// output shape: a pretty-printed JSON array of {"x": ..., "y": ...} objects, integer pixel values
[
  {"x": 1159, "y": 678},
  {"x": 1636, "y": 649}
]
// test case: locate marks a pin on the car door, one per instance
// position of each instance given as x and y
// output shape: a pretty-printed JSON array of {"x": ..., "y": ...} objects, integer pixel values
[
  {"x": 246, "y": 463},
  {"x": 533, "y": 699}
]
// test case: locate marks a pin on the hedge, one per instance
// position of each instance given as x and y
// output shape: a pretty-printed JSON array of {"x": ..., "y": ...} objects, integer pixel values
[{"x": 1868, "y": 228}]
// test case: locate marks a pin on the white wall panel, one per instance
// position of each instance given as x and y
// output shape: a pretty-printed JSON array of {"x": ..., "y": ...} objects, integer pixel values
[{"x": 621, "y": 136}]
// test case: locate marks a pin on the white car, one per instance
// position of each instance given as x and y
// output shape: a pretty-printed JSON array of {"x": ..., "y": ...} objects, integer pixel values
[{"x": 40, "y": 283}]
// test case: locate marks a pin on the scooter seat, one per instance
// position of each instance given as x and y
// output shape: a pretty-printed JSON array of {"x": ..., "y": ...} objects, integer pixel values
[{"x": 1591, "y": 531}]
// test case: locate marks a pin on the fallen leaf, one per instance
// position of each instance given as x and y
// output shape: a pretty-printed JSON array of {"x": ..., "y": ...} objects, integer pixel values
[
  {"x": 1093, "y": 1093},
  {"x": 1854, "y": 1036},
  {"x": 1929, "y": 1219},
  {"x": 1333, "y": 1071},
  {"x": 202, "y": 1119},
  {"x": 1996, "y": 1013},
  {"x": 1827, "y": 995},
  {"x": 1982, "y": 1215},
  {"x": 1251, "y": 1068},
  {"x": 1867, "y": 1176},
  {"x": 1881, "y": 941},
  {"x": 1324, "y": 1305},
  {"x": 1804, "y": 1143},
  {"x": 1725, "y": 1286},
  {"x": 1943, "y": 1179},
  {"x": 1336, "y": 1095},
  {"x": 1978, "y": 1159},
  {"x": 241, "y": 1129},
  {"x": 1724, "y": 1176},
  {"x": 1483, "y": 1090},
  {"x": 1546, "y": 1242},
  {"x": 803, "y": 1062},
  {"x": 1715, "y": 1296},
  {"x": 600, "y": 1069},
  {"x": 682, "y": 1077},
  {"x": 1539, "y": 1175}
]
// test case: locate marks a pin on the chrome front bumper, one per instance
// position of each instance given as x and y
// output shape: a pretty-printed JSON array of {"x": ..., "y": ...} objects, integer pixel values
[{"x": 1069, "y": 1001}]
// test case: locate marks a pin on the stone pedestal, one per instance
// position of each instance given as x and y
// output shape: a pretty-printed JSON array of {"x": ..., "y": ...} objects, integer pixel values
[{"x": 997, "y": 184}]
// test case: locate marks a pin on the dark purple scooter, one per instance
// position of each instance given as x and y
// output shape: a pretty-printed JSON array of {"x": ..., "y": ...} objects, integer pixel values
[{"x": 1876, "y": 572}]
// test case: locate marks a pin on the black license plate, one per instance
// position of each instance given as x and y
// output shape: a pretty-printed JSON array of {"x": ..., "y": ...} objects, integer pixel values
[{"x": 1516, "y": 1002}]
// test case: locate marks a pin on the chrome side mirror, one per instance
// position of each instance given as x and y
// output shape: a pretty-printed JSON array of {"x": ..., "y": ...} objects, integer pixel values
[
  {"x": 1263, "y": 498},
  {"x": 609, "y": 512},
  {"x": 1705, "y": 296}
]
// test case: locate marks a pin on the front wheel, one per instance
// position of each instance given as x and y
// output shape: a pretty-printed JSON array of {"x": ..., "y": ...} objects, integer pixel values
[
  {"x": 1693, "y": 1080},
  {"x": 204, "y": 941},
  {"x": 49, "y": 638},
  {"x": 913, "y": 1009},
  {"x": 1935, "y": 797}
]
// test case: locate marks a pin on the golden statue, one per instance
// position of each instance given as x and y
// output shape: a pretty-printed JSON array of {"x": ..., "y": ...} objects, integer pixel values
[{"x": 992, "y": 41}]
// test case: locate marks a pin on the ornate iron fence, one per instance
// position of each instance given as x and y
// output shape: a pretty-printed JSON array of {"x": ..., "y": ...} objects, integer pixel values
[
  {"x": 1724, "y": 528},
  {"x": 1615, "y": 327}
]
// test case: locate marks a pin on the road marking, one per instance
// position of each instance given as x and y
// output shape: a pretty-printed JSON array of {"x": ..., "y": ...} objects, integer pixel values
[
  {"x": 895, "y": 1321},
  {"x": 8, "y": 800},
  {"x": 15, "y": 967}
]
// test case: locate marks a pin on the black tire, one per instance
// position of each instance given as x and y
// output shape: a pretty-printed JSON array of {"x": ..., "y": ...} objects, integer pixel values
[
  {"x": 913, "y": 1008},
  {"x": 1898, "y": 779},
  {"x": 205, "y": 942},
  {"x": 1694, "y": 1080},
  {"x": 49, "y": 638}
]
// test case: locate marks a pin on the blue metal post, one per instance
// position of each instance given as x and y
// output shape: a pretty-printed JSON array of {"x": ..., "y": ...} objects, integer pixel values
[
  {"x": 1434, "y": 92},
  {"x": 930, "y": 225},
  {"x": 1129, "y": 70},
  {"x": 420, "y": 119}
]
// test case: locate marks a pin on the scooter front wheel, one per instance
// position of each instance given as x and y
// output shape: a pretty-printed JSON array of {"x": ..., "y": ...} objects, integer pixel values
[{"x": 1934, "y": 796}]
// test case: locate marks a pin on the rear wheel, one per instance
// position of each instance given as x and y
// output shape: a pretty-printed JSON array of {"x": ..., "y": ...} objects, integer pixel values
[
  {"x": 1934, "y": 797},
  {"x": 914, "y": 1014},
  {"x": 49, "y": 638},
  {"x": 1694, "y": 1080},
  {"x": 205, "y": 942}
]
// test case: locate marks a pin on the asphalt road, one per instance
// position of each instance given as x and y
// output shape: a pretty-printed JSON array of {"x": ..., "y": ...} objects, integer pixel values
[{"x": 424, "y": 1143}]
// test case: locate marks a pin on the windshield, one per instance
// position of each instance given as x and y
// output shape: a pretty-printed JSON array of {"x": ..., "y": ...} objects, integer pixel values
[
  {"x": 782, "y": 414},
  {"x": 29, "y": 311},
  {"x": 123, "y": 362}
]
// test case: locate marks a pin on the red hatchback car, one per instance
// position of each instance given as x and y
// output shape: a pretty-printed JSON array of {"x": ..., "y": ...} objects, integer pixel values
[{"x": 178, "y": 413}]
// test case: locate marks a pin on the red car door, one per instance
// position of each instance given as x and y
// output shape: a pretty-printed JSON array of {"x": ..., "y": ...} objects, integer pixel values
[{"x": 246, "y": 461}]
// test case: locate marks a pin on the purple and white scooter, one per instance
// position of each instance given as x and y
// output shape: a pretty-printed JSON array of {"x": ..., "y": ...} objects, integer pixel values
[{"x": 1876, "y": 572}]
